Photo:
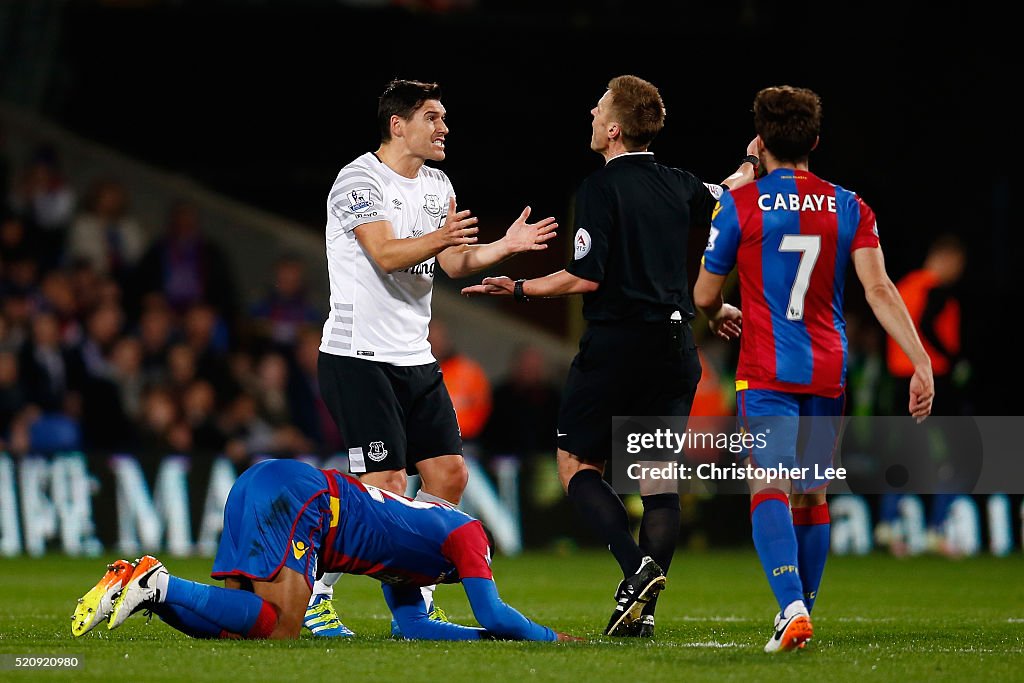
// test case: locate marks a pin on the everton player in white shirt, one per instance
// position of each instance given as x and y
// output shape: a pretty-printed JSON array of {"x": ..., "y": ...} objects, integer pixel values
[{"x": 390, "y": 220}]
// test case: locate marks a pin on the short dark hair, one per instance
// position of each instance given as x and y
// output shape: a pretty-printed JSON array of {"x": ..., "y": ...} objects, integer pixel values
[
  {"x": 402, "y": 98},
  {"x": 638, "y": 109},
  {"x": 788, "y": 119}
]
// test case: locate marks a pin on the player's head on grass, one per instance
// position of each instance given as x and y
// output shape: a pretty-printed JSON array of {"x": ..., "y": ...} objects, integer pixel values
[
  {"x": 632, "y": 109},
  {"x": 788, "y": 120}
]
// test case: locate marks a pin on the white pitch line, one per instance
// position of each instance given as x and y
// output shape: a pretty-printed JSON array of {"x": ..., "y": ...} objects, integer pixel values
[
  {"x": 746, "y": 620},
  {"x": 972, "y": 650},
  {"x": 712, "y": 644}
]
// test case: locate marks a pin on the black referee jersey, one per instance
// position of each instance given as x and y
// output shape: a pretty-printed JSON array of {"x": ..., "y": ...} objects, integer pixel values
[{"x": 633, "y": 220}]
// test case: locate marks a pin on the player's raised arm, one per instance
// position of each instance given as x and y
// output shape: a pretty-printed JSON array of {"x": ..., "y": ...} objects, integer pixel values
[
  {"x": 466, "y": 259},
  {"x": 391, "y": 253},
  {"x": 888, "y": 307},
  {"x": 747, "y": 171}
]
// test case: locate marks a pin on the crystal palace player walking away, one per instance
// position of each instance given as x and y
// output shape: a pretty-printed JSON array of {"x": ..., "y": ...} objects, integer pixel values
[
  {"x": 791, "y": 236},
  {"x": 638, "y": 355},
  {"x": 390, "y": 220},
  {"x": 283, "y": 520}
]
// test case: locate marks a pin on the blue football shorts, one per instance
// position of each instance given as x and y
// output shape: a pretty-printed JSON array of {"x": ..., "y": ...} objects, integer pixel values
[
  {"x": 277, "y": 515},
  {"x": 800, "y": 431}
]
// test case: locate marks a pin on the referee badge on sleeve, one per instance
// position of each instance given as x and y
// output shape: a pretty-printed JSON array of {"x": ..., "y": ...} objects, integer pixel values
[
  {"x": 716, "y": 190},
  {"x": 581, "y": 244}
]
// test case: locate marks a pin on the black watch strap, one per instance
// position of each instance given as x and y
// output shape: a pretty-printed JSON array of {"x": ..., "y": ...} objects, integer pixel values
[
  {"x": 518, "y": 292},
  {"x": 754, "y": 161}
]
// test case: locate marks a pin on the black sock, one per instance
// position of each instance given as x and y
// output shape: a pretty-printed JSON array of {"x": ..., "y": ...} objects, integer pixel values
[
  {"x": 603, "y": 510},
  {"x": 659, "y": 532}
]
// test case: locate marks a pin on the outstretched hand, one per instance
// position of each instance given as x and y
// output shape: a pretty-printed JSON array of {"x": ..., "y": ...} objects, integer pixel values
[
  {"x": 459, "y": 227},
  {"x": 522, "y": 236},
  {"x": 566, "y": 638},
  {"x": 727, "y": 323},
  {"x": 492, "y": 286}
]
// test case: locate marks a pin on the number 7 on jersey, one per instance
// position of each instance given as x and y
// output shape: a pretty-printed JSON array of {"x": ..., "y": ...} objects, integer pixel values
[{"x": 809, "y": 247}]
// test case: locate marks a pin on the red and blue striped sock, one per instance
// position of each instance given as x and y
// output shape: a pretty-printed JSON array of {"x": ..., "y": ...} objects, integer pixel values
[
  {"x": 776, "y": 545},
  {"x": 234, "y": 611},
  {"x": 188, "y": 622},
  {"x": 813, "y": 532}
]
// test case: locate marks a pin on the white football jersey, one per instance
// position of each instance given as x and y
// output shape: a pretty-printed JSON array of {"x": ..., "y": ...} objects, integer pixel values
[{"x": 375, "y": 315}]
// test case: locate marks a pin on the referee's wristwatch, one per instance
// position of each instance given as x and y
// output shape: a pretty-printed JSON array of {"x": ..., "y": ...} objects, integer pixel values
[
  {"x": 518, "y": 293},
  {"x": 753, "y": 160}
]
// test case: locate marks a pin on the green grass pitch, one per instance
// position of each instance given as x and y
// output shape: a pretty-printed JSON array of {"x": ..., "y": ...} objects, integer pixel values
[{"x": 878, "y": 619}]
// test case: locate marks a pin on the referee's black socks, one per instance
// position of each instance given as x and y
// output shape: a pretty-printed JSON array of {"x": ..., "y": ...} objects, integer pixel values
[
  {"x": 596, "y": 501},
  {"x": 659, "y": 532}
]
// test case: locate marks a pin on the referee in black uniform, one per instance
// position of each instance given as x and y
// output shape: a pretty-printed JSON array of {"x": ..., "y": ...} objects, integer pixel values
[{"x": 638, "y": 355}]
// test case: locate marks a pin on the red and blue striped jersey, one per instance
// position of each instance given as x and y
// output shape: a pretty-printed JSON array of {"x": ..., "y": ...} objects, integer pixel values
[
  {"x": 400, "y": 541},
  {"x": 790, "y": 235}
]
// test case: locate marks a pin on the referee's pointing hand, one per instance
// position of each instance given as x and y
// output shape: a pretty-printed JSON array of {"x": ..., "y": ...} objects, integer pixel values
[{"x": 494, "y": 286}]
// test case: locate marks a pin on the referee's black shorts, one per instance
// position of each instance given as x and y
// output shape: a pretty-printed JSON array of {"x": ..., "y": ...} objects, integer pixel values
[
  {"x": 637, "y": 369},
  {"x": 390, "y": 417}
]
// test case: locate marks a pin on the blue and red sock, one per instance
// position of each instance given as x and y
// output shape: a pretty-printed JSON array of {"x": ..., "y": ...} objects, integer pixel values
[
  {"x": 813, "y": 532},
  {"x": 232, "y": 611},
  {"x": 776, "y": 544},
  {"x": 188, "y": 622}
]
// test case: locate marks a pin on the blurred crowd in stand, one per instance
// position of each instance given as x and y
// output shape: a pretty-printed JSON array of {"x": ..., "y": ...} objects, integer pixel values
[{"x": 118, "y": 337}]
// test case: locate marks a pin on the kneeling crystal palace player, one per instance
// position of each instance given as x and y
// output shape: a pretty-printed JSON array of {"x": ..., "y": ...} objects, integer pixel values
[{"x": 286, "y": 521}]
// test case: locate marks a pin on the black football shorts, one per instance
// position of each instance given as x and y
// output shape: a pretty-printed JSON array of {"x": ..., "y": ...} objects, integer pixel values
[
  {"x": 625, "y": 370},
  {"x": 390, "y": 417}
]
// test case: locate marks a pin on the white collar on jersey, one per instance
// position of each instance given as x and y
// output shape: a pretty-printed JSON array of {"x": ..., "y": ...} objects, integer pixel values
[{"x": 627, "y": 154}]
